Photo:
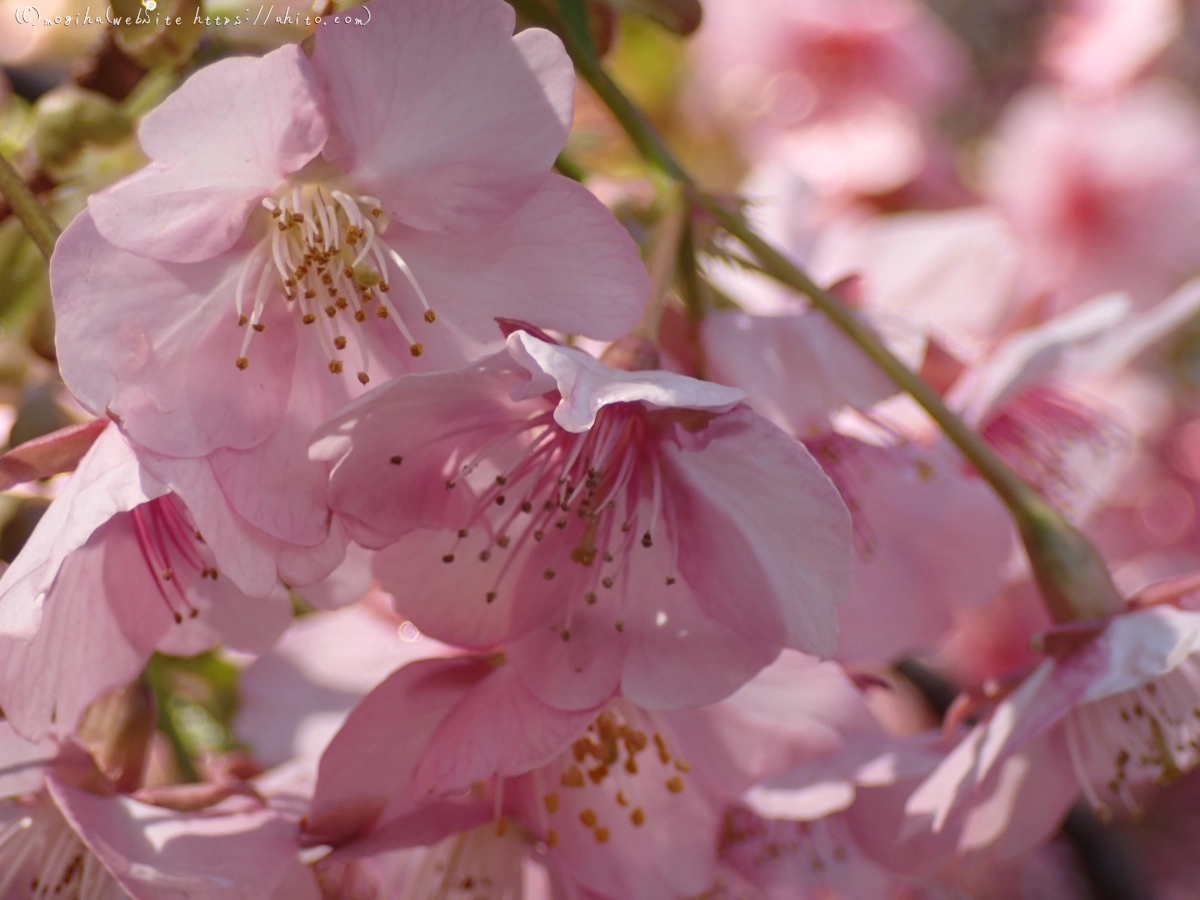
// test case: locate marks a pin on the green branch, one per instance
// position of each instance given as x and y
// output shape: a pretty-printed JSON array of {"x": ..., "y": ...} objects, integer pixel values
[
  {"x": 33, "y": 215},
  {"x": 1072, "y": 576}
]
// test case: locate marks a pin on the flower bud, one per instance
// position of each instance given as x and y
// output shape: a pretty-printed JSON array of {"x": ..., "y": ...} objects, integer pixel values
[{"x": 69, "y": 116}]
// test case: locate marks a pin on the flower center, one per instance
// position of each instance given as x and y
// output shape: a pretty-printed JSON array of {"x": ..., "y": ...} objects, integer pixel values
[
  {"x": 597, "y": 493},
  {"x": 172, "y": 550},
  {"x": 608, "y": 772},
  {"x": 1147, "y": 735},
  {"x": 325, "y": 251},
  {"x": 40, "y": 852}
]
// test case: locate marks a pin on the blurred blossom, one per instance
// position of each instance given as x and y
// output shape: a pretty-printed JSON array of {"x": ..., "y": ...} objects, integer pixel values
[{"x": 1103, "y": 193}]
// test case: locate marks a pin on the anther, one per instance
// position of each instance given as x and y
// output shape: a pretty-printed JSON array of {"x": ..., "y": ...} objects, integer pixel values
[
  {"x": 259, "y": 327},
  {"x": 339, "y": 342},
  {"x": 308, "y": 318},
  {"x": 589, "y": 598},
  {"x": 242, "y": 320},
  {"x": 674, "y": 784},
  {"x": 646, "y": 540},
  {"x": 601, "y": 835},
  {"x": 551, "y": 801},
  {"x": 335, "y": 366},
  {"x": 485, "y": 555},
  {"x": 396, "y": 460},
  {"x": 363, "y": 377},
  {"x": 491, "y": 596},
  {"x": 430, "y": 316},
  {"x": 502, "y": 541},
  {"x": 588, "y": 818},
  {"x": 548, "y": 574},
  {"x": 566, "y": 634},
  {"x": 637, "y": 817},
  {"x": 448, "y": 558},
  {"x": 551, "y": 837},
  {"x": 242, "y": 363},
  {"x": 415, "y": 349}
]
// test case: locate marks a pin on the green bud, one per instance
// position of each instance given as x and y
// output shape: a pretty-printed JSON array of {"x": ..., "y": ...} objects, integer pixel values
[{"x": 68, "y": 117}]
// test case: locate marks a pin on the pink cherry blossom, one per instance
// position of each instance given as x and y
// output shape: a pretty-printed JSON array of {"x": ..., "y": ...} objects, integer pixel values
[
  {"x": 626, "y": 530},
  {"x": 64, "y": 832},
  {"x": 616, "y": 801},
  {"x": 1102, "y": 192},
  {"x": 114, "y": 570},
  {"x": 336, "y": 205},
  {"x": 846, "y": 85},
  {"x": 1111, "y": 713},
  {"x": 1100, "y": 45}
]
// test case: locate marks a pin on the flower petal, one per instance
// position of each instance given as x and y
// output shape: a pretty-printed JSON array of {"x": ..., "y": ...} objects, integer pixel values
[
  {"x": 441, "y": 113},
  {"x": 229, "y": 136},
  {"x": 154, "y": 344}
]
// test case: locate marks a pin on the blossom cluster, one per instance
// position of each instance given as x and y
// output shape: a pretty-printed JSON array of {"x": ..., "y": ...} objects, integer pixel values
[{"x": 537, "y": 544}]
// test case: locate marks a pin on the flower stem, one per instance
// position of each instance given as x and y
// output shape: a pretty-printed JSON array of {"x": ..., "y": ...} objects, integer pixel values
[
  {"x": 1071, "y": 574},
  {"x": 33, "y": 216}
]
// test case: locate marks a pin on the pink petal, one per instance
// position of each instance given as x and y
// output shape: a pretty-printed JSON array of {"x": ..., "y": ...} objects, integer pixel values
[
  {"x": 677, "y": 655},
  {"x": 919, "y": 562},
  {"x": 766, "y": 548},
  {"x": 159, "y": 854},
  {"x": 587, "y": 385},
  {"x": 49, "y": 455},
  {"x": 252, "y": 559},
  {"x": 797, "y": 369},
  {"x": 560, "y": 261},
  {"x": 155, "y": 344},
  {"x": 439, "y": 412},
  {"x": 498, "y": 729},
  {"x": 294, "y": 699},
  {"x": 23, "y": 763},
  {"x": 462, "y": 117},
  {"x": 108, "y": 481},
  {"x": 369, "y": 765},
  {"x": 212, "y": 162}
]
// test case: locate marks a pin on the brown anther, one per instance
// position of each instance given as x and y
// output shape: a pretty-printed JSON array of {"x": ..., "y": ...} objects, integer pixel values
[
  {"x": 500, "y": 498},
  {"x": 637, "y": 817},
  {"x": 551, "y": 837},
  {"x": 168, "y": 574},
  {"x": 598, "y": 774},
  {"x": 348, "y": 272},
  {"x": 551, "y": 801},
  {"x": 548, "y": 574},
  {"x": 501, "y": 480},
  {"x": 376, "y": 211},
  {"x": 485, "y": 555},
  {"x": 326, "y": 279},
  {"x": 415, "y": 349},
  {"x": 340, "y": 342},
  {"x": 526, "y": 507},
  {"x": 607, "y": 581},
  {"x": 561, "y": 523},
  {"x": 430, "y": 316},
  {"x": 646, "y": 540},
  {"x": 309, "y": 294},
  {"x": 588, "y": 817},
  {"x": 259, "y": 327},
  {"x": 502, "y": 541},
  {"x": 385, "y": 287},
  {"x": 308, "y": 318},
  {"x": 381, "y": 312},
  {"x": 682, "y": 766},
  {"x": 566, "y": 634},
  {"x": 396, "y": 460},
  {"x": 590, "y": 598},
  {"x": 501, "y": 826},
  {"x": 670, "y": 580},
  {"x": 491, "y": 596},
  {"x": 242, "y": 320},
  {"x": 331, "y": 311},
  {"x": 448, "y": 558},
  {"x": 621, "y": 625},
  {"x": 572, "y": 777},
  {"x": 360, "y": 316},
  {"x": 341, "y": 303},
  {"x": 363, "y": 377},
  {"x": 601, "y": 835},
  {"x": 538, "y": 535},
  {"x": 335, "y": 366},
  {"x": 621, "y": 801},
  {"x": 242, "y": 362},
  {"x": 631, "y": 766},
  {"x": 674, "y": 784}
]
